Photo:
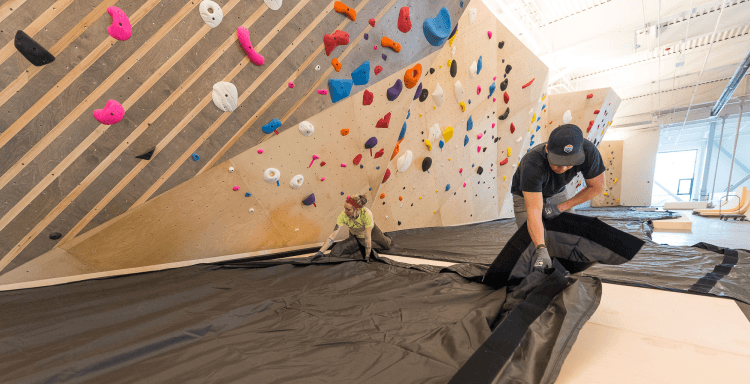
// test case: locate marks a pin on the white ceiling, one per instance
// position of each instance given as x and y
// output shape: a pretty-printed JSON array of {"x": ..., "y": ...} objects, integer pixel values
[{"x": 660, "y": 72}]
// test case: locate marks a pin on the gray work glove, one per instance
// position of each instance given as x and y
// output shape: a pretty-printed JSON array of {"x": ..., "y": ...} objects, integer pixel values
[
  {"x": 542, "y": 260},
  {"x": 317, "y": 256},
  {"x": 550, "y": 211}
]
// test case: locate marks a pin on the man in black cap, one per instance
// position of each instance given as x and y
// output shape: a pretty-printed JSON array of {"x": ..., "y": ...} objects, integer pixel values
[{"x": 538, "y": 186}]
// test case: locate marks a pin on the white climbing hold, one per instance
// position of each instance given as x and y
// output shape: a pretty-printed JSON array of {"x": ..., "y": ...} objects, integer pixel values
[
  {"x": 435, "y": 133},
  {"x": 518, "y": 140},
  {"x": 472, "y": 15},
  {"x": 473, "y": 69},
  {"x": 437, "y": 94},
  {"x": 404, "y": 161},
  {"x": 306, "y": 128},
  {"x": 567, "y": 117},
  {"x": 386, "y": 217},
  {"x": 271, "y": 175},
  {"x": 317, "y": 67},
  {"x": 225, "y": 96},
  {"x": 453, "y": 51},
  {"x": 459, "y": 90},
  {"x": 252, "y": 210},
  {"x": 274, "y": 5},
  {"x": 296, "y": 229},
  {"x": 231, "y": 169},
  {"x": 297, "y": 181},
  {"x": 211, "y": 13}
]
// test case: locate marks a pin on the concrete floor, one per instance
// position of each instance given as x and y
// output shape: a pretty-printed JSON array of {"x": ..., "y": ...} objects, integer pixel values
[{"x": 730, "y": 234}]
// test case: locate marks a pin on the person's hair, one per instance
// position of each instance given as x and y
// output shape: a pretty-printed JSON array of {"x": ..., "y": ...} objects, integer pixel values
[{"x": 357, "y": 201}]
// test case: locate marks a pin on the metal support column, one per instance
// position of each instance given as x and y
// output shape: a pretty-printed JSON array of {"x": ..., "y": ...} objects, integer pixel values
[
  {"x": 734, "y": 151},
  {"x": 707, "y": 162}
]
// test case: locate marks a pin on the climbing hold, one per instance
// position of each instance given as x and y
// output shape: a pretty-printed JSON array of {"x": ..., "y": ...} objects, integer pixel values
[
  {"x": 382, "y": 196},
  {"x": 507, "y": 69},
  {"x": 428, "y": 144},
  {"x": 112, "y": 113},
  {"x": 394, "y": 91},
  {"x": 377, "y": 69},
  {"x": 387, "y": 175},
  {"x": 211, "y": 13},
  {"x": 454, "y": 68},
  {"x": 567, "y": 116},
  {"x": 512, "y": 128},
  {"x": 452, "y": 35},
  {"x": 225, "y": 96},
  {"x": 505, "y": 161},
  {"x": 441, "y": 144},
  {"x": 447, "y": 187},
  {"x": 340, "y": 88},
  {"x": 317, "y": 67},
  {"x": 466, "y": 140},
  {"x": 473, "y": 69},
  {"x": 506, "y": 97},
  {"x": 334, "y": 40},
  {"x": 489, "y": 34},
  {"x": 479, "y": 90},
  {"x": 479, "y": 136},
  {"x": 504, "y": 85},
  {"x": 120, "y": 28},
  {"x": 529, "y": 83},
  {"x": 336, "y": 64},
  {"x": 400, "y": 198},
  {"x": 248, "y": 194},
  {"x": 388, "y": 43},
  {"x": 472, "y": 14},
  {"x": 147, "y": 155},
  {"x": 437, "y": 94},
  {"x": 310, "y": 200},
  {"x": 459, "y": 88},
  {"x": 291, "y": 85},
  {"x": 493, "y": 125},
  {"x": 479, "y": 149},
  {"x": 448, "y": 134},
  {"x": 379, "y": 153},
  {"x": 344, "y": 131},
  {"x": 402, "y": 133},
  {"x": 260, "y": 151},
  {"x": 590, "y": 95},
  {"x": 508, "y": 151},
  {"x": 404, "y": 22},
  {"x": 501, "y": 44},
  {"x": 322, "y": 163},
  {"x": 384, "y": 121},
  {"x": 243, "y": 36},
  {"x": 479, "y": 170},
  {"x": 423, "y": 95},
  {"x": 479, "y": 65},
  {"x": 367, "y": 97},
  {"x": 273, "y": 5},
  {"x": 271, "y": 175},
  {"x": 357, "y": 159},
  {"x": 297, "y": 181},
  {"x": 384, "y": 57},
  {"x": 461, "y": 170},
  {"x": 519, "y": 139},
  {"x": 470, "y": 124},
  {"x": 417, "y": 93},
  {"x": 411, "y": 77},
  {"x": 426, "y": 164},
  {"x": 272, "y": 126},
  {"x": 596, "y": 112},
  {"x": 395, "y": 151},
  {"x": 371, "y": 143},
  {"x": 343, "y": 8},
  {"x": 306, "y": 128},
  {"x": 404, "y": 161},
  {"x": 367, "y": 36},
  {"x": 344, "y": 165},
  {"x": 437, "y": 29},
  {"x": 504, "y": 115},
  {"x": 314, "y": 157},
  {"x": 432, "y": 70},
  {"x": 591, "y": 124},
  {"x": 372, "y": 22},
  {"x": 463, "y": 106},
  {"x": 361, "y": 75},
  {"x": 31, "y": 50}
]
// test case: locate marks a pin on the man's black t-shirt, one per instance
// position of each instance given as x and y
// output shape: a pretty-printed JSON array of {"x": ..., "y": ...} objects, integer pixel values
[{"x": 535, "y": 175}]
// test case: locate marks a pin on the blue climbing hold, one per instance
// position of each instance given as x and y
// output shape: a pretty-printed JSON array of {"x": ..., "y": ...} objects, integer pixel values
[
  {"x": 402, "y": 133},
  {"x": 271, "y": 126},
  {"x": 361, "y": 75},
  {"x": 538, "y": 128},
  {"x": 395, "y": 90},
  {"x": 470, "y": 124},
  {"x": 479, "y": 65},
  {"x": 378, "y": 167},
  {"x": 195, "y": 157},
  {"x": 371, "y": 187},
  {"x": 447, "y": 187},
  {"x": 339, "y": 88},
  {"x": 441, "y": 144},
  {"x": 248, "y": 194},
  {"x": 544, "y": 106},
  {"x": 438, "y": 28},
  {"x": 492, "y": 89},
  {"x": 469, "y": 101},
  {"x": 408, "y": 114},
  {"x": 462, "y": 3},
  {"x": 538, "y": 118},
  {"x": 466, "y": 140}
]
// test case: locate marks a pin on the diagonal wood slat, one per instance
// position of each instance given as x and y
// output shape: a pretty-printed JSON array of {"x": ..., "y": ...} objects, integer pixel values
[
  {"x": 8, "y": 8},
  {"x": 36, "y": 26}
]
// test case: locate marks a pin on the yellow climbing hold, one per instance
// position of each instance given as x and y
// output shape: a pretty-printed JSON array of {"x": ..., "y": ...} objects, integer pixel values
[
  {"x": 509, "y": 151},
  {"x": 448, "y": 134},
  {"x": 449, "y": 62},
  {"x": 420, "y": 197},
  {"x": 433, "y": 107},
  {"x": 428, "y": 144},
  {"x": 463, "y": 106},
  {"x": 543, "y": 96},
  {"x": 615, "y": 179},
  {"x": 533, "y": 118},
  {"x": 505, "y": 177},
  {"x": 606, "y": 194},
  {"x": 450, "y": 41}
]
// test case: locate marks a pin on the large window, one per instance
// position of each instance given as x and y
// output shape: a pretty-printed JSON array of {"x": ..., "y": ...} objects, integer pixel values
[{"x": 673, "y": 177}]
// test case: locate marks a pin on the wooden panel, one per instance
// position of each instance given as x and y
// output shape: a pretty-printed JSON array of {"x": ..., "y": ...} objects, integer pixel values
[{"x": 612, "y": 153}]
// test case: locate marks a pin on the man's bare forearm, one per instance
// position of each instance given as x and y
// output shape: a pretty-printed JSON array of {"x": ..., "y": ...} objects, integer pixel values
[{"x": 585, "y": 195}]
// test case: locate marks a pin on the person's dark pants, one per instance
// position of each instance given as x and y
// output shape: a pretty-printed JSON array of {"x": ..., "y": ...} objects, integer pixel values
[{"x": 354, "y": 244}]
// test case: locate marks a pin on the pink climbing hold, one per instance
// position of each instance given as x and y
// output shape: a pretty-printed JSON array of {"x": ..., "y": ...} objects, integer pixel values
[
  {"x": 479, "y": 89},
  {"x": 112, "y": 113},
  {"x": 460, "y": 170},
  {"x": 260, "y": 150},
  {"x": 479, "y": 136},
  {"x": 291, "y": 85},
  {"x": 479, "y": 149},
  {"x": 404, "y": 22},
  {"x": 334, "y": 40},
  {"x": 322, "y": 179},
  {"x": 494, "y": 99},
  {"x": 243, "y": 35},
  {"x": 374, "y": 47},
  {"x": 489, "y": 34},
  {"x": 343, "y": 165},
  {"x": 372, "y": 22},
  {"x": 322, "y": 92},
  {"x": 236, "y": 188},
  {"x": 495, "y": 77},
  {"x": 464, "y": 185},
  {"x": 493, "y": 125},
  {"x": 315, "y": 157},
  {"x": 120, "y": 28}
]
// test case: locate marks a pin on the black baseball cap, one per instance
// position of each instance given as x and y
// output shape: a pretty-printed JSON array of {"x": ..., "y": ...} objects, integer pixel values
[{"x": 565, "y": 146}]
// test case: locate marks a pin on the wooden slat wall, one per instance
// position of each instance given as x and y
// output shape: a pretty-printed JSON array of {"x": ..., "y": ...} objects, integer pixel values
[{"x": 61, "y": 171}]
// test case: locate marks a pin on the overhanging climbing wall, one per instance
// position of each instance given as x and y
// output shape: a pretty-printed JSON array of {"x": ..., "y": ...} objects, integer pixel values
[{"x": 611, "y": 152}]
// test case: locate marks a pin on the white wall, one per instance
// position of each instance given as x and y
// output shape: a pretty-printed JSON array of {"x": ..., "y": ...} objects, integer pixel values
[{"x": 638, "y": 164}]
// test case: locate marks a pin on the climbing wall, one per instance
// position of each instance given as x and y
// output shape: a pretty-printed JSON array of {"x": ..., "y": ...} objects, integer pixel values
[{"x": 611, "y": 152}]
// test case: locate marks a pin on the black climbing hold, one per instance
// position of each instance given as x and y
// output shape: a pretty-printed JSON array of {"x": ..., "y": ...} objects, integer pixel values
[
  {"x": 423, "y": 96},
  {"x": 504, "y": 85},
  {"x": 507, "y": 69},
  {"x": 147, "y": 155},
  {"x": 31, "y": 50},
  {"x": 55, "y": 235},
  {"x": 484, "y": 149},
  {"x": 496, "y": 139},
  {"x": 504, "y": 115},
  {"x": 479, "y": 171},
  {"x": 453, "y": 32},
  {"x": 432, "y": 70},
  {"x": 501, "y": 44},
  {"x": 399, "y": 223},
  {"x": 426, "y": 164},
  {"x": 454, "y": 68}
]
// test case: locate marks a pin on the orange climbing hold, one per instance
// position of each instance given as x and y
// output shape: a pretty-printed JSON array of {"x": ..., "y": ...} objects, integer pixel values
[
  {"x": 411, "y": 77},
  {"x": 343, "y": 8},
  {"x": 382, "y": 195},
  {"x": 395, "y": 150},
  {"x": 336, "y": 64},
  {"x": 400, "y": 198},
  {"x": 388, "y": 43},
  {"x": 344, "y": 131}
]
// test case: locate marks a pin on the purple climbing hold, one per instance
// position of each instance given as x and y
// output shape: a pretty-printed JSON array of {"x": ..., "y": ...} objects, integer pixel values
[
  {"x": 419, "y": 92},
  {"x": 367, "y": 36},
  {"x": 384, "y": 56},
  {"x": 395, "y": 90},
  {"x": 310, "y": 200}
]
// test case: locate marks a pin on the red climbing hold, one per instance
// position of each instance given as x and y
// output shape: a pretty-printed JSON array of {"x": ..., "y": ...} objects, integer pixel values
[
  {"x": 334, "y": 40},
  {"x": 322, "y": 163},
  {"x": 591, "y": 124},
  {"x": 404, "y": 22},
  {"x": 357, "y": 159},
  {"x": 596, "y": 112},
  {"x": 590, "y": 95},
  {"x": 387, "y": 174},
  {"x": 380, "y": 153},
  {"x": 505, "y": 161},
  {"x": 506, "y": 97},
  {"x": 378, "y": 69},
  {"x": 529, "y": 83},
  {"x": 384, "y": 122},
  {"x": 367, "y": 98},
  {"x": 512, "y": 128},
  {"x": 372, "y": 22}
]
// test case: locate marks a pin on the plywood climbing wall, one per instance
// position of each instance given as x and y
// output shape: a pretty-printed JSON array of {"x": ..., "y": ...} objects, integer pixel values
[{"x": 611, "y": 152}]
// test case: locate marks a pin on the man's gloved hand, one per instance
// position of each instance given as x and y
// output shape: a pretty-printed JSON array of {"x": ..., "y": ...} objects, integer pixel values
[
  {"x": 550, "y": 211},
  {"x": 317, "y": 256},
  {"x": 542, "y": 260}
]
